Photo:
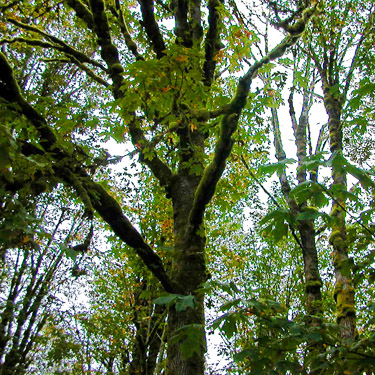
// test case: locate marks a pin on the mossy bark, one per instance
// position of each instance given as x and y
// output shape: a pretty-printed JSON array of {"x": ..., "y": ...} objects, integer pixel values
[{"x": 344, "y": 292}]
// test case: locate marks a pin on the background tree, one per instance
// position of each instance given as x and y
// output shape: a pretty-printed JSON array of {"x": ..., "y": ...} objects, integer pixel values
[{"x": 34, "y": 275}]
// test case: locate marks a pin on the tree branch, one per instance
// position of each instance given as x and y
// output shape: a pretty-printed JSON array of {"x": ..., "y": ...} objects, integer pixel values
[
  {"x": 109, "y": 52},
  {"x": 291, "y": 227},
  {"x": 151, "y": 27},
  {"x": 60, "y": 45},
  {"x": 353, "y": 65},
  {"x": 292, "y": 112},
  {"x": 196, "y": 20},
  {"x": 117, "y": 12},
  {"x": 182, "y": 29},
  {"x": 39, "y": 43},
  {"x": 229, "y": 123},
  {"x": 158, "y": 168},
  {"x": 82, "y": 12},
  {"x": 107, "y": 207},
  {"x": 212, "y": 42}
]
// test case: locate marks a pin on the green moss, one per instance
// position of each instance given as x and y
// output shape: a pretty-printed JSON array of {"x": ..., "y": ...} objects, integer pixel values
[
  {"x": 346, "y": 310},
  {"x": 335, "y": 211},
  {"x": 335, "y": 234},
  {"x": 344, "y": 297},
  {"x": 337, "y": 262},
  {"x": 316, "y": 307},
  {"x": 313, "y": 283},
  {"x": 339, "y": 244},
  {"x": 337, "y": 290},
  {"x": 117, "y": 68}
]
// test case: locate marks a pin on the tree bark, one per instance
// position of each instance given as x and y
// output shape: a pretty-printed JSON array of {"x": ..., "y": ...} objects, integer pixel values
[
  {"x": 189, "y": 272},
  {"x": 305, "y": 228},
  {"x": 344, "y": 290}
]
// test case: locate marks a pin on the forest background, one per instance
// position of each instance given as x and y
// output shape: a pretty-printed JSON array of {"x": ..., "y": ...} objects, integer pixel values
[{"x": 202, "y": 222}]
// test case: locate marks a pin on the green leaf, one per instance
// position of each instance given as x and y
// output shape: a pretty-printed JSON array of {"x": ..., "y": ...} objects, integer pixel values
[
  {"x": 312, "y": 162},
  {"x": 229, "y": 304},
  {"x": 309, "y": 213},
  {"x": 166, "y": 300},
  {"x": 183, "y": 302},
  {"x": 247, "y": 353},
  {"x": 360, "y": 175},
  {"x": 229, "y": 327},
  {"x": 280, "y": 214},
  {"x": 278, "y": 167},
  {"x": 278, "y": 223},
  {"x": 70, "y": 253}
]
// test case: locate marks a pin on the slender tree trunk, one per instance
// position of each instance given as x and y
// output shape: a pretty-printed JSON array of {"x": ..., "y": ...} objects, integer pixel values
[
  {"x": 305, "y": 228},
  {"x": 344, "y": 290},
  {"x": 147, "y": 342},
  {"x": 313, "y": 282}
]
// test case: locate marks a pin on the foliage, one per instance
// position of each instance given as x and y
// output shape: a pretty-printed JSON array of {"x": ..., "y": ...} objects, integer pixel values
[{"x": 138, "y": 171}]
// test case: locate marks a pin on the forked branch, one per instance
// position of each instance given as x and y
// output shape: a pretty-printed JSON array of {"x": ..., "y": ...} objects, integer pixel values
[{"x": 229, "y": 123}]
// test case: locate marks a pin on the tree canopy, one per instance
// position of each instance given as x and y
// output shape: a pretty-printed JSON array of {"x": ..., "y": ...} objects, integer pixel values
[{"x": 189, "y": 168}]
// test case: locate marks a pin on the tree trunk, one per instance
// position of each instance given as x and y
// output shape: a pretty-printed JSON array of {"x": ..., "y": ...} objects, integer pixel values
[
  {"x": 188, "y": 272},
  {"x": 344, "y": 291},
  {"x": 313, "y": 282},
  {"x": 305, "y": 228}
]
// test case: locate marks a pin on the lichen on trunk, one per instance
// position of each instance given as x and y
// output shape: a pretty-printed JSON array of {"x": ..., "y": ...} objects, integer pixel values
[{"x": 344, "y": 293}]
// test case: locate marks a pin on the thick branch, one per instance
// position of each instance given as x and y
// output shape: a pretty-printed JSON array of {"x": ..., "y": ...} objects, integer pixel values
[
  {"x": 109, "y": 52},
  {"x": 281, "y": 155},
  {"x": 151, "y": 27},
  {"x": 212, "y": 42},
  {"x": 109, "y": 209},
  {"x": 300, "y": 132},
  {"x": 182, "y": 29},
  {"x": 196, "y": 20}
]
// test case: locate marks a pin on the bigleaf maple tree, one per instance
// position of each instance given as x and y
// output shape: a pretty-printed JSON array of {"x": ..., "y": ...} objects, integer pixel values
[
  {"x": 174, "y": 81},
  {"x": 167, "y": 101}
]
